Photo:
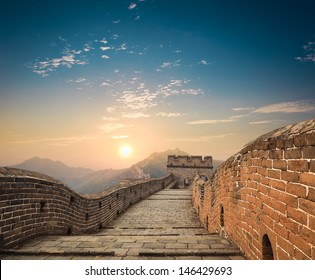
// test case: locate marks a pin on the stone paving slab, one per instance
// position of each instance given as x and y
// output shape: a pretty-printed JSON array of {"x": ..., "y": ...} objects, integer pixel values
[{"x": 165, "y": 226}]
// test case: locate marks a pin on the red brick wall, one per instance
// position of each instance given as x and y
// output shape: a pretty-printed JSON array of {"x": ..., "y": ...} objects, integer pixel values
[
  {"x": 267, "y": 189},
  {"x": 33, "y": 204}
]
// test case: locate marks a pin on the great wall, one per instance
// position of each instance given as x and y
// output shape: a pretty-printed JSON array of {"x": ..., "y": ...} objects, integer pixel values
[{"x": 259, "y": 204}]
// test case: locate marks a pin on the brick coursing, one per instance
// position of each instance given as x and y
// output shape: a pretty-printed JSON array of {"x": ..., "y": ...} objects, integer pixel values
[
  {"x": 33, "y": 204},
  {"x": 268, "y": 188}
]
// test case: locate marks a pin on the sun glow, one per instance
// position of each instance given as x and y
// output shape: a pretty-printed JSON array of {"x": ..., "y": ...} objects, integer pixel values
[{"x": 125, "y": 151}]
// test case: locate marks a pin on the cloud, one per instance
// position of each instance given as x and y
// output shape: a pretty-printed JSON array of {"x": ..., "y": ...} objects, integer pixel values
[
  {"x": 202, "y": 138},
  {"x": 122, "y": 47},
  {"x": 116, "y": 21},
  {"x": 110, "y": 109},
  {"x": 300, "y": 106},
  {"x": 260, "y": 122},
  {"x": 132, "y": 6},
  {"x": 169, "y": 64},
  {"x": 58, "y": 141},
  {"x": 170, "y": 115},
  {"x": 137, "y": 17},
  {"x": 105, "y": 48},
  {"x": 120, "y": 137},
  {"x": 134, "y": 101},
  {"x": 204, "y": 62},
  {"x": 211, "y": 121},
  {"x": 309, "y": 53},
  {"x": 238, "y": 109},
  {"x": 43, "y": 68},
  {"x": 110, "y": 127},
  {"x": 104, "y": 41},
  {"x": 109, "y": 119},
  {"x": 80, "y": 80},
  {"x": 105, "y": 56},
  {"x": 136, "y": 115}
]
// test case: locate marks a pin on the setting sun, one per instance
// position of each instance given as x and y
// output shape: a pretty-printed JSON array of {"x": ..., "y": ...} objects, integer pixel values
[{"x": 125, "y": 151}]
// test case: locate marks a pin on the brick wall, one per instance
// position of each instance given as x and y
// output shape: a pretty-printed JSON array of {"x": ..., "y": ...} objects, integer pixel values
[
  {"x": 33, "y": 204},
  {"x": 263, "y": 198}
]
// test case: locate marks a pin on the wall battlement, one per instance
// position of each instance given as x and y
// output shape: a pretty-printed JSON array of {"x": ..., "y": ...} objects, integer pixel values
[
  {"x": 33, "y": 204},
  {"x": 184, "y": 168},
  {"x": 263, "y": 198}
]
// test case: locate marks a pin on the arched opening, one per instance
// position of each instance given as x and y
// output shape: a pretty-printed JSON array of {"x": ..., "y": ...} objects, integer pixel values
[
  {"x": 69, "y": 230},
  {"x": 267, "y": 253},
  {"x": 221, "y": 216}
]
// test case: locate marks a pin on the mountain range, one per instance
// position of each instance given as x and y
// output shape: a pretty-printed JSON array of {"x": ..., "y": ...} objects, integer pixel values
[{"x": 84, "y": 180}]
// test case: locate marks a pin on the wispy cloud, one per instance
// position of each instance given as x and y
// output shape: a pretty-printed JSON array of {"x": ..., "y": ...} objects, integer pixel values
[
  {"x": 170, "y": 115},
  {"x": 202, "y": 138},
  {"x": 136, "y": 115},
  {"x": 110, "y": 109},
  {"x": 134, "y": 101},
  {"x": 169, "y": 64},
  {"x": 105, "y": 48},
  {"x": 58, "y": 141},
  {"x": 309, "y": 52},
  {"x": 238, "y": 109},
  {"x": 105, "y": 56},
  {"x": 204, "y": 62},
  {"x": 132, "y": 6},
  {"x": 120, "y": 137},
  {"x": 211, "y": 121},
  {"x": 109, "y": 119},
  {"x": 110, "y": 127},
  {"x": 68, "y": 59},
  {"x": 260, "y": 122},
  {"x": 299, "y": 106}
]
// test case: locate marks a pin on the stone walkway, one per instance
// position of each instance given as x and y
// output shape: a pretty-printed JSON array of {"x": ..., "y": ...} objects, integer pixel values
[{"x": 163, "y": 226}]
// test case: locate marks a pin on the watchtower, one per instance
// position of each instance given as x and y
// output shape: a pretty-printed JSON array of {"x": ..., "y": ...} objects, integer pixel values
[{"x": 184, "y": 168}]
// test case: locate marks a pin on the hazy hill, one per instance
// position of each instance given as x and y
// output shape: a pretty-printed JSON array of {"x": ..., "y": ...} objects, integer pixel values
[
  {"x": 85, "y": 180},
  {"x": 57, "y": 169}
]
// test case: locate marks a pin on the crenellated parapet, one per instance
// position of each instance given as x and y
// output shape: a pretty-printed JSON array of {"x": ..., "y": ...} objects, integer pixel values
[
  {"x": 33, "y": 204},
  {"x": 263, "y": 197},
  {"x": 184, "y": 168}
]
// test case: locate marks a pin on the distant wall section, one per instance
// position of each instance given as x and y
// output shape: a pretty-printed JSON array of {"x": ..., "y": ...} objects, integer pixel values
[{"x": 184, "y": 168}]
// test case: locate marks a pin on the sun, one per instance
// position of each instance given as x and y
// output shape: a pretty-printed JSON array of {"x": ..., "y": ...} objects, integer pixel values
[{"x": 125, "y": 151}]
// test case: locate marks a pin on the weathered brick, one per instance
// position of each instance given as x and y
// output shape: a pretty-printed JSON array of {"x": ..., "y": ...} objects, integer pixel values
[
  {"x": 296, "y": 189},
  {"x": 293, "y": 154},
  {"x": 282, "y": 255},
  {"x": 299, "y": 255},
  {"x": 308, "y": 235},
  {"x": 298, "y": 165},
  {"x": 275, "y": 174},
  {"x": 280, "y": 164},
  {"x": 282, "y": 231},
  {"x": 289, "y": 199},
  {"x": 307, "y": 179},
  {"x": 311, "y": 194},
  {"x": 286, "y": 245},
  {"x": 309, "y": 152},
  {"x": 280, "y": 185},
  {"x": 266, "y": 163},
  {"x": 312, "y": 222},
  {"x": 307, "y": 206},
  {"x": 276, "y": 154},
  {"x": 290, "y": 176},
  {"x": 300, "y": 243},
  {"x": 312, "y": 166},
  {"x": 309, "y": 139},
  {"x": 297, "y": 215}
]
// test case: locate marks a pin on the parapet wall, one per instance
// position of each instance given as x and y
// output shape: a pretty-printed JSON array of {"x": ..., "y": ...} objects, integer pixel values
[
  {"x": 33, "y": 204},
  {"x": 263, "y": 198},
  {"x": 185, "y": 167}
]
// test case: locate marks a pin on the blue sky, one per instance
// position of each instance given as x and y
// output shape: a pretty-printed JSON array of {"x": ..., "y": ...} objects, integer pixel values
[{"x": 80, "y": 79}]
